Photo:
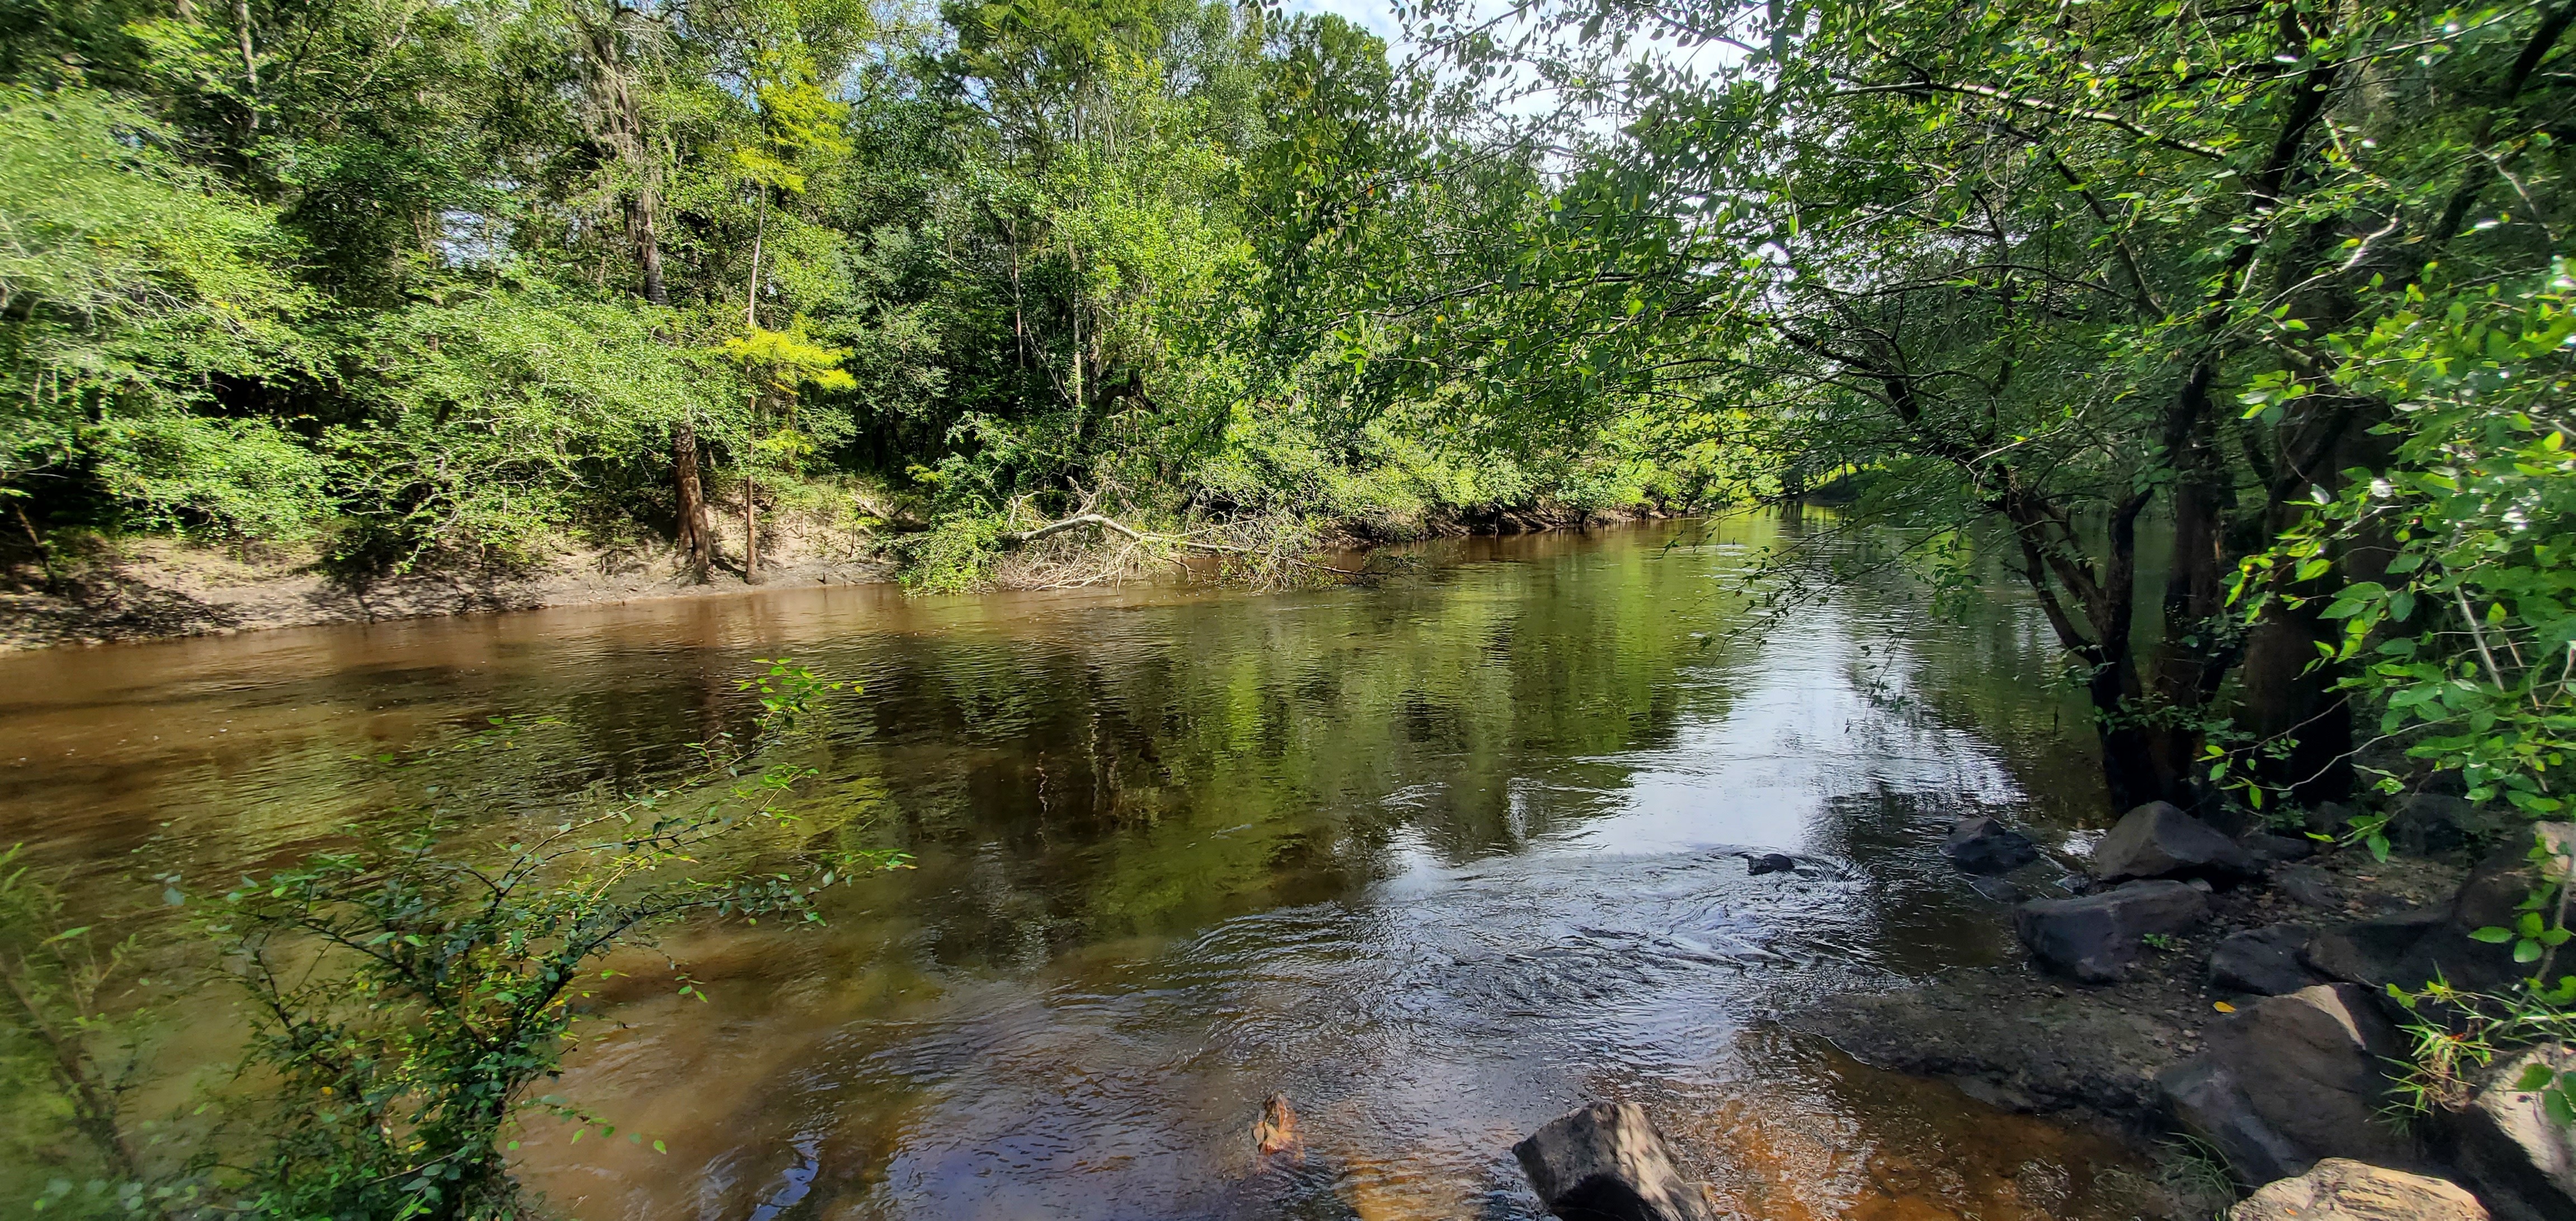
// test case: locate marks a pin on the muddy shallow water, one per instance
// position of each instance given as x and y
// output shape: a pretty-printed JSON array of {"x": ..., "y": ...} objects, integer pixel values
[{"x": 1438, "y": 858}]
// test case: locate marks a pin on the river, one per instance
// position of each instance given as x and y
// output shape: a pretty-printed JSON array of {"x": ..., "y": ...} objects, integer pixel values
[{"x": 1438, "y": 857}]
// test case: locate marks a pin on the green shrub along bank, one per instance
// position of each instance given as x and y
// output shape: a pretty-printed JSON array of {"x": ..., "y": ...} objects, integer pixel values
[{"x": 406, "y": 995}]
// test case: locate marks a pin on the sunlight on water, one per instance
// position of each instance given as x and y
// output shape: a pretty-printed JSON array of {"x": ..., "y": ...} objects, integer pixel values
[{"x": 1439, "y": 859}]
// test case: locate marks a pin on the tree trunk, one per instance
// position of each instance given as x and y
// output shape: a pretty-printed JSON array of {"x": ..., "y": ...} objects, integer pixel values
[
  {"x": 2191, "y": 656},
  {"x": 750, "y": 531},
  {"x": 695, "y": 536},
  {"x": 641, "y": 210},
  {"x": 2286, "y": 697}
]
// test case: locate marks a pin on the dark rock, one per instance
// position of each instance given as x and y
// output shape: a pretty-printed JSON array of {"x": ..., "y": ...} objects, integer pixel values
[
  {"x": 2095, "y": 938},
  {"x": 2329, "y": 817},
  {"x": 1983, "y": 845},
  {"x": 2308, "y": 886},
  {"x": 2409, "y": 949},
  {"x": 1607, "y": 1162},
  {"x": 2263, "y": 961},
  {"x": 2339, "y": 1189},
  {"x": 2289, "y": 1080},
  {"x": 2270, "y": 849},
  {"x": 2429, "y": 824},
  {"x": 2522, "y": 1161},
  {"x": 1999, "y": 890},
  {"x": 1769, "y": 862},
  {"x": 2494, "y": 891},
  {"x": 2014, "y": 1038},
  {"x": 2158, "y": 840}
]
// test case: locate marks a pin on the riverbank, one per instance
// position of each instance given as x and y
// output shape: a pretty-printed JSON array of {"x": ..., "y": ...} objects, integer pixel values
[
  {"x": 2258, "y": 1036},
  {"x": 103, "y": 589},
  {"x": 114, "y": 589}
]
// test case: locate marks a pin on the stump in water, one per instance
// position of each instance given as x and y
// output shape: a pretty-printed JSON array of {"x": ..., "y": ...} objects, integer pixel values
[{"x": 1607, "y": 1162}]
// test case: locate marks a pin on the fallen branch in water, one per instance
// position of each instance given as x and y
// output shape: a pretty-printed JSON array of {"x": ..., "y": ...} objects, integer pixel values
[{"x": 1137, "y": 538}]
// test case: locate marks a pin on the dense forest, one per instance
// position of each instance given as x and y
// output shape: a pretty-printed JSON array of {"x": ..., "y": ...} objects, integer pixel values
[
  {"x": 2238, "y": 335},
  {"x": 411, "y": 284},
  {"x": 2232, "y": 339}
]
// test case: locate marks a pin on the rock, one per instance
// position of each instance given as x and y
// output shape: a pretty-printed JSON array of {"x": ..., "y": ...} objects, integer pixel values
[
  {"x": 2409, "y": 949},
  {"x": 2269, "y": 849},
  {"x": 2157, "y": 840},
  {"x": 2289, "y": 1080},
  {"x": 1999, "y": 890},
  {"x": 1607, "y": 1162},
  {"x": 2013, "y": 1038},
  {"x": 2308, "y": 886},
  {"x": 2339, "y": 1189},
  {"x": 2522, "y": 1161},
  {"x": 2428, "y": 824},
  {"x": 2329, "y": 817},
  {"x": 2262, "y": 961},
  {"x": 2095, "y": 938},
  {"x": 1983, "y": 845},
  {"x": 1769, "y": 862},
  {"x": 2494, "y": 891},
  {"x": 1274, "y": 1135}
]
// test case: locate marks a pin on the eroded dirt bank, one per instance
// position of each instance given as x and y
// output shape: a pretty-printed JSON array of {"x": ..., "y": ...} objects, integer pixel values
[{"x": 138, "y": 589}]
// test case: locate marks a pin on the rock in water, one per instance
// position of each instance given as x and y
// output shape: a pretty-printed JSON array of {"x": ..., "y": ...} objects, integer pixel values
[
  {"x": 1274, "y": 1135},
  {"x": 1999, "y": 890},
  {"x": 1607, "y": 1162},
  {"x": 2288, "y": 1081},
  {"x": 1769, "y": 862},
  {"x": 2523, "y": 1161},
  {"x": 1982, "y": 845},
  {"x": 2262, "y": 961},
  {"x": 2158, "y": 840},
  {"x": 2343, "y": 1190},
  {"x": 2095, "y": 938}
]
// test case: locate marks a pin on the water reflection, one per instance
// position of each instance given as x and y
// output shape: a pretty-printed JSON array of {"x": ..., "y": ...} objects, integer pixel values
[{"x": 1437, "y": 858}]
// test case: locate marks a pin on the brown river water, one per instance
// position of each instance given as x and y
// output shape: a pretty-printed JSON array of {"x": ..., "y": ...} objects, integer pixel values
[{"x": 1439, "y": 858}]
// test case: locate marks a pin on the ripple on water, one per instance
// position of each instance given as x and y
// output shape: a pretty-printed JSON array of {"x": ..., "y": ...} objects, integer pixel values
[{"x": 1439, "y": 859}]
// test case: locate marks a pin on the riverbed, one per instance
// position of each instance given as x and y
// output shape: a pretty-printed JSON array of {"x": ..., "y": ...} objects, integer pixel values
[{"x": 1438, "y": 857}]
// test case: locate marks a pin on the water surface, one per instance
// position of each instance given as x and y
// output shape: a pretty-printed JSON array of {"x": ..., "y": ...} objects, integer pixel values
[{"x": 1438, "y": 858}]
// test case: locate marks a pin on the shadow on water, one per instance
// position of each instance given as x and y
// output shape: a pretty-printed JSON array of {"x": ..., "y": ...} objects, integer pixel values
[{"x": 1438, "y": 858}]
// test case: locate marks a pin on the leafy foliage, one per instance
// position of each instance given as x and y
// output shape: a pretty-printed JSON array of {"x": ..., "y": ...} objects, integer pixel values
[{"x": 410, "y": 992}]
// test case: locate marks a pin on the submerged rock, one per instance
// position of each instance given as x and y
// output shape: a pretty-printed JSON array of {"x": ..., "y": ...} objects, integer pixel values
[
  {"x": 2014, "y": 1038},
  {"x": 1274, "y": 1135},
  {"x": 1983, "y": 845},
  {"x": 1607, "y": 1162},
  {"x": 2522, "y": 1160},
  {"x": 2262, "y": 961},
  {"x": 1999, "y": 890},
  {"x": 2095, "y": 938},
  {"x": 2288, "y": 1081},
  {"x": 2158, "y": 840},
  {"x": 1769, "y": 862},
  {"x": 2340, "y": 1189}
]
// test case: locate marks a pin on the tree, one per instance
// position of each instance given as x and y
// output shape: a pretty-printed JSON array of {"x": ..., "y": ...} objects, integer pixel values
[{"x": 2019, "y": 262}]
